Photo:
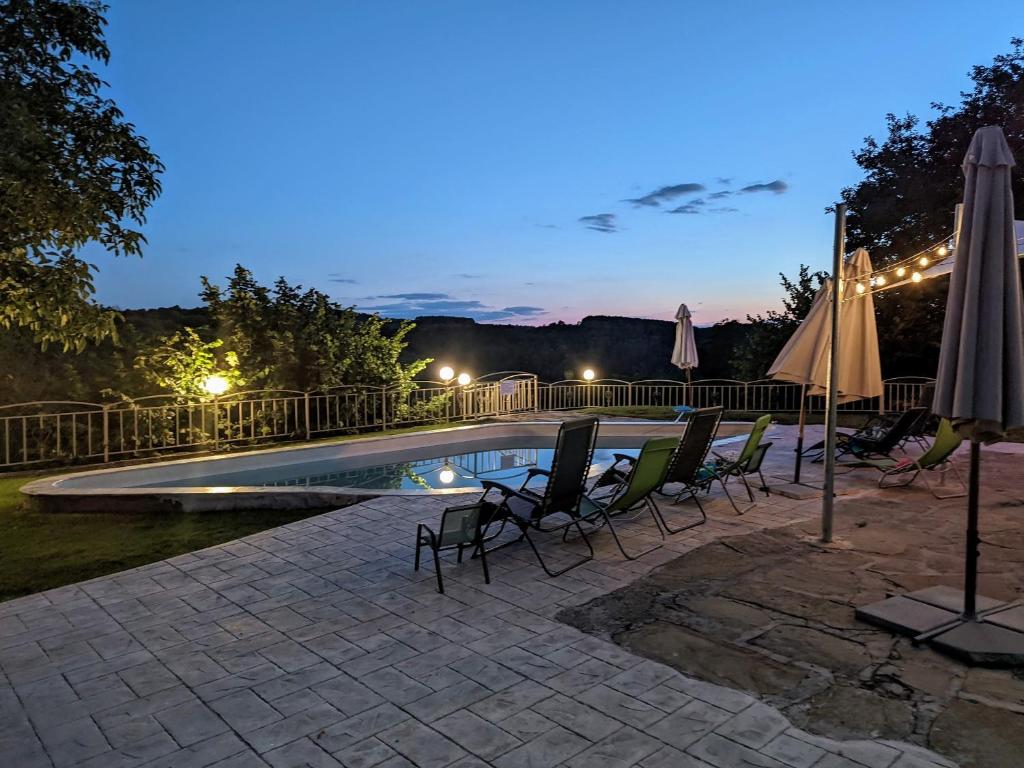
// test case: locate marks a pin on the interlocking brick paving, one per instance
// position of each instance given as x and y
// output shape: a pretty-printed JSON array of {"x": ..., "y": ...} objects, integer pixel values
[{"x": 316, "y": 644}]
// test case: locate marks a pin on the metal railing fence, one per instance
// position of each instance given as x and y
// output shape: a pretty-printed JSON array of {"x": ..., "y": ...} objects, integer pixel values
[{"x": 40, "y": 433}]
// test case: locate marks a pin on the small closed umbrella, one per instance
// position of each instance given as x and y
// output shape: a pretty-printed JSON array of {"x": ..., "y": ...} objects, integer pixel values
[
  {"x": 980, "y": 381},
  {"x": 684, "y": 353},
  {"x": 804, "y": 359}
]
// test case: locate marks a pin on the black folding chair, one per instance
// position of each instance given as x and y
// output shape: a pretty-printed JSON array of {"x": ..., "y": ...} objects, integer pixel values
[{"x": 556, "y": 508}]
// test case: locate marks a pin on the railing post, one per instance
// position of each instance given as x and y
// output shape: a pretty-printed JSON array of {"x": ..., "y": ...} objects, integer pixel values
[
  {"x": 106, "y": 434},
  {"x": 309, "y": 428},
  {"x": 216, "y": 423}
]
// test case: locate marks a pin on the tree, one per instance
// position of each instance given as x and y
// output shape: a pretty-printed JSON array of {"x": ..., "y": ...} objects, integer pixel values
[
  {"x": 906, "y": 200},
  {"x": 182, "y": 362},
  {"x": 768, "y": 333},
  {"x": 72, "y": 170},
  {"x": 287, "y": 338}
]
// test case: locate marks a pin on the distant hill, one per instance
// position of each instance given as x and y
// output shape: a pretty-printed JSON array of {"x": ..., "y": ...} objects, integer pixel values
[{"x": 615, "y": 347}]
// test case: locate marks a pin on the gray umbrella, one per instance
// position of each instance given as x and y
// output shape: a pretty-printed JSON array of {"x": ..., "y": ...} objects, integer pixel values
[{"x": 980, "y": 382}]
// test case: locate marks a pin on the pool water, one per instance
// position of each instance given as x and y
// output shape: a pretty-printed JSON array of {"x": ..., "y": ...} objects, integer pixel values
[{"x": 453, "y": 466}]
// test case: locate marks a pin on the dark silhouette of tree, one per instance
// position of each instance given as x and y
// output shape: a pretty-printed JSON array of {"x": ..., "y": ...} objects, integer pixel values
[
  {"x": 72, "y": 170},
  {"x": 906, "y": 201}
]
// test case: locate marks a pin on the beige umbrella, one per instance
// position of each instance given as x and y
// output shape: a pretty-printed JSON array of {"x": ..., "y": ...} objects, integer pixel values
[
  {"x": 804, "y": 359},
  {"x": 980, "y": 381},
  {"x": 684, "y": 353}
]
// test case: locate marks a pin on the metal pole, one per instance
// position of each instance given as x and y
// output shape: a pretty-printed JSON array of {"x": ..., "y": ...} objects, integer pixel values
[
  {"x": 216, "y": 423},
  {"x": 971, "y": 569},
  {"x": 800, "y": 434},
  {"x": 827, "y": 499}
]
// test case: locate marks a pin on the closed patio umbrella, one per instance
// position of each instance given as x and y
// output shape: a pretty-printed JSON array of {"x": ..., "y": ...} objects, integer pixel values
[
  {"x": 804, "y": 359},
  {"x": 980, "y": 381},
  {"x": 684, "y": 353}
]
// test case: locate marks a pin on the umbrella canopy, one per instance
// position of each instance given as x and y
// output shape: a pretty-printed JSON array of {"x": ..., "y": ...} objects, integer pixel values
[
  {"x": 684, "y": 353},
  {"x": 804, "y": 359},
  {"x": 980, "y": 381}
]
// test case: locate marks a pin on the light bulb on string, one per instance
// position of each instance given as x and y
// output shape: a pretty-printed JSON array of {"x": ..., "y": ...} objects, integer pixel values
[
  {"x": 923, "y": 261},
  {"x": 942, "y": 250},
  {"x": 916, "y": 277},
  {"x": 860, "y": 288},
  {"x": 901, "y": 272},
  {"x": 880, "y": 281}
]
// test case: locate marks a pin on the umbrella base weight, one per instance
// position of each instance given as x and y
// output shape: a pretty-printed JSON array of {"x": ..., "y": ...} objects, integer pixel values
[{"x": 994, "y": 638}]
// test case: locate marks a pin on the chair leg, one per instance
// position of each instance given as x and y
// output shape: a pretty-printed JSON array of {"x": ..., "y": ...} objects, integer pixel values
[
  {"x": 764, "y": 484},
  {"x": 461, "y": 547},
  {"x": 437, "y": 570},
  {"x": 703, "y": 515},
  {"x": 959, "y": 479},
  {"x": 618, "y": 541},
  {"x": 419, "y": 546},
  {"x": 569, "y": 567},
  {"x": 729, "y": 497},
  {"x": 483, "y": 562}
]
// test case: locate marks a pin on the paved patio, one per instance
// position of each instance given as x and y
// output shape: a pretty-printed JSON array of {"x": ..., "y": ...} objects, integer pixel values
[{"x": 316, "y": 644}]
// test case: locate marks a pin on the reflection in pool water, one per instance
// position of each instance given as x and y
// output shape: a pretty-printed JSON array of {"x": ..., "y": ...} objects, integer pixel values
[{"x": 428, "y": 469}]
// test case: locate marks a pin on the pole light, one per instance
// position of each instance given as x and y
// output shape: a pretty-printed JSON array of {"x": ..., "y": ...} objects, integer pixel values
[
  {"x": 447, "y": 373},
  {"x": 588, "y": 375},
  {"x": 464, "y": 379}
]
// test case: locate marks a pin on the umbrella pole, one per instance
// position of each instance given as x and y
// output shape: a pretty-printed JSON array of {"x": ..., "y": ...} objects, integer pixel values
[
  {"x": 973, "y": 540},
  {"x": 827, "y": 498},
  {"x": 800, "y": 434}
]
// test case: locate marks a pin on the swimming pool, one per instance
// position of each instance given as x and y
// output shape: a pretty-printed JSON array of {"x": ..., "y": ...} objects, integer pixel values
[
  {"x": 460, "y": 465},
  {"x": 333, "y": 474}
]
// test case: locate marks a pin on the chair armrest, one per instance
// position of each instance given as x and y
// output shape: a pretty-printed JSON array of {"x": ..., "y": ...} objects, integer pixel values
[
  {"x": 534, "y": 471},
  {"x": 504, "y": 490},
  {"x": 624, "y": 457}
]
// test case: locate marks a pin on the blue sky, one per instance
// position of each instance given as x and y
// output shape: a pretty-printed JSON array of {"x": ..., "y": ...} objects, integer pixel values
[{"x": 516, "y": 161}]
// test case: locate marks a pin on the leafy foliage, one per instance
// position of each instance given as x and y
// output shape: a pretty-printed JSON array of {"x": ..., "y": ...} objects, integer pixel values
[
  {"x": 288, "y": 338},
  {"x": 72, "y": 171},
  {"x": 906, "y": 200},
  {"x": 769, "y": 332},
  {"x": 181, "y": 363}
]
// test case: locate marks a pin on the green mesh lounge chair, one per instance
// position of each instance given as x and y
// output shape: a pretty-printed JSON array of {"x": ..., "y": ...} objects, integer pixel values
[
  {"x": 903, "y": 472},
  {"x": 748, "y": 462},
  {"x": 556, "y": 507},
  {"x": 633, "y": 497}
]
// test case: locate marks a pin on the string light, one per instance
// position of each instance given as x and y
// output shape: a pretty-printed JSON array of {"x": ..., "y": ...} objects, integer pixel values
[
  {"x": 906, "y": 268},
  {"x": 861, "y": 288},
  {"x": 916, "y": 277},
  {"x": 880, "y": 281},
  {"x": 901, "y": 272},
  {"x": 923, "y": 261},
  {"x": 943, "y": 250}
]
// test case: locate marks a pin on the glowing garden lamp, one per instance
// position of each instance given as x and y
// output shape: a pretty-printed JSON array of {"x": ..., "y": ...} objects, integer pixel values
[
  {"x": 215, "y": 385},
  {"x": 447, "y": 373},
  {"x": 588, "y": 375},
  {"x": 464, "y": 379}
]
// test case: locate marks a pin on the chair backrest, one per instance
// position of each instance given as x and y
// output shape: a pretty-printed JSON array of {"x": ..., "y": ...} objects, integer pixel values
[
  {"x": 570, "y": 466},
  {"x": 693, "y": 449},
  {"x": 460, "y": 525},
  {"x": 648, "y": 472},
  {"x": 900, "y": 429},
  {"x": 757, "y": 458},
  {"x": 754, "y": 438},
  {"x": 946, "y": 441}
]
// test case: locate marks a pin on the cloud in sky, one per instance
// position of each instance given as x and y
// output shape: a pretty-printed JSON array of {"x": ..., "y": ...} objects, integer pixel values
[
  {"x": 778, "y": 187},
  {"x": 468, "y": 276},
  {"x": 335, "y": 277},
  {"x": 694, "y": 206},
  {"x": 415, "y": 305},
  {"x": 720, "y": 194},
  {"x": 664, "y": 194},
  {"x": 723, "y": 210},
  {"x": 600, "y": 222}
]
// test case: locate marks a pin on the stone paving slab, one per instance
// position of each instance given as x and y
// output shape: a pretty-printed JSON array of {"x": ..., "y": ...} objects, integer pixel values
[{"x": 316, "y": 644}]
